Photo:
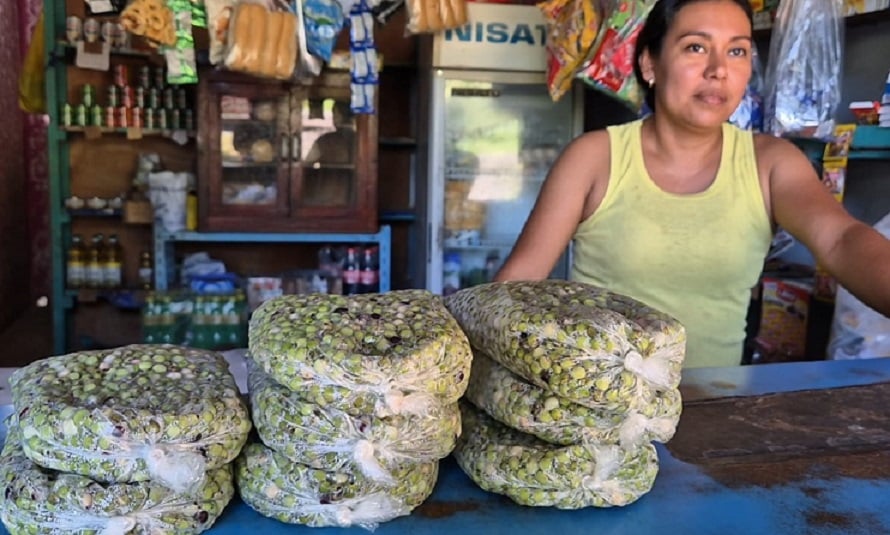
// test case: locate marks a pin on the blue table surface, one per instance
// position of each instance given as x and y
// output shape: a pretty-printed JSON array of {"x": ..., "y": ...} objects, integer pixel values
[{"x": 685, "y": 498}]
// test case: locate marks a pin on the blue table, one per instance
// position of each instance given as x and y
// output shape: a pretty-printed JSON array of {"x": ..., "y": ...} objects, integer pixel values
[{"x": 686, "y": 499}]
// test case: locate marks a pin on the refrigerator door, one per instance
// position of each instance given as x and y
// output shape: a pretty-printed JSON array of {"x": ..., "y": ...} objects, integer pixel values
[{"x": 494, "y": 137}]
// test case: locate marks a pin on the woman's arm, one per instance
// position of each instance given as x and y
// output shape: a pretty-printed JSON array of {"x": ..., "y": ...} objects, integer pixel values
[
  {"x": 856, "y": 254},
  {"x": 559, "y": 209}
]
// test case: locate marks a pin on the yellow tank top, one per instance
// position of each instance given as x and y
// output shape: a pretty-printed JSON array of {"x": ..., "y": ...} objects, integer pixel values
[{"x": 693, "y": 256}]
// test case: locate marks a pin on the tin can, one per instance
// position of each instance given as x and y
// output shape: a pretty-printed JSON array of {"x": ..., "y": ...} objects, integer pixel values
[
  {"x": 81, "y": 115},
  {"x": 189, "y": 120},
  {"x": 67, "y": 118},
  {"x": 159, "y": 79},
  {"x": 162, "y": 119},
  {"x": 88, "y": 96},
  {"x": 123, "y": 117},
  {"x": 154, "y": 98},
  {"x": 96, "y": 115},
  {"x": 144, "y": 76},
  {"x": 110, "y": 116},
  {"x": 169, "y": 101},
  {"x": 127, "y": 96},
  {"x": 175, "y": 120},
  {"x": 181, "y": 98},
  {"x": 150, "y": 123},
  {"x": 121, "y": 75},
  {"x": 136, "y": 118},
  {"x": 113, "y": 96},
  {"x": 140, "y": 97}
]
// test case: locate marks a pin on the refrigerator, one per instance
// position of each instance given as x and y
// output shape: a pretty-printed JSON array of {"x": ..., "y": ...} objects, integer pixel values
[{"x": 494, "y": 133}]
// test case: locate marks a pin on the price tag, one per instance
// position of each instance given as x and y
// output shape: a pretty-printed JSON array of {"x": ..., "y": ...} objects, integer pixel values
[
  {"x": 100, "y": 6},
  {"x": 134, "y": 132}
]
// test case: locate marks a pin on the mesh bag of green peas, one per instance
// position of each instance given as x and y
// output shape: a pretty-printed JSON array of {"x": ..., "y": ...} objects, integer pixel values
[
  {"x": 48, "y": 502},
  {"x": 588, "y": 345},
  {"x": 533, "y": 472},
  {"x": 330, "y": 439},
  {"x": 294, "y": 493},
  {"x": 135, "y": 413},
  {"x": 400, "y": 352},
  {"x": 534, "y": 410}
]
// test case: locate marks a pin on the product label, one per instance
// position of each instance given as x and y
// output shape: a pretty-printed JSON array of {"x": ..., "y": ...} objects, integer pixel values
[{"x": 76, "y": 274}]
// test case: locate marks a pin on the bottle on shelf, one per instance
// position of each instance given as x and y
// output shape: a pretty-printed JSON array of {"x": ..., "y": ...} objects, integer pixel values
[
  {"x": 76, "y": 264},
  {"x": 191, "y": 210},
  {"x": 145, "y": 270},
  {"x": 94, "y": 266},
  {"x": 451, "y": 273},
  {"x": 351, "y": 272},
  {"x": 369, "y": 279},
  {"x": 112, "y": 273}
]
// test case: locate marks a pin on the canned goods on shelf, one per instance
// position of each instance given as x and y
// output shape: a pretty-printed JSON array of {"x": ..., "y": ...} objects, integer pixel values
[
  {"x": 123, "y": 117},
  {"x": 121, "y": 75},
  {"x": 110, "y": 116},
  {"x": 67, "y": 115}
]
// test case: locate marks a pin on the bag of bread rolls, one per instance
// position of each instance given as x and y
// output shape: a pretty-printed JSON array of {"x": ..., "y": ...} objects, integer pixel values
[
  {"x": 430, "y": 16},
  {"x": 262, "y": 42}
]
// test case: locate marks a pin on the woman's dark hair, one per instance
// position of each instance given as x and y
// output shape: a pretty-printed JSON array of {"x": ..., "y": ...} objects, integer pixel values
[{"x": 657, "y": 24}]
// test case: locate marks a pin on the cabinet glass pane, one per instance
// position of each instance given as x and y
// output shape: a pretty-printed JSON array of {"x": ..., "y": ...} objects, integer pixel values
[
  {"x": 328, "y": 143},
  {"x": 252, "y": 138}
]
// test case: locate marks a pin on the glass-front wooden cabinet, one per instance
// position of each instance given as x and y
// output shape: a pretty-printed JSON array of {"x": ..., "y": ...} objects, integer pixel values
[{"x": 277, "y": 157}]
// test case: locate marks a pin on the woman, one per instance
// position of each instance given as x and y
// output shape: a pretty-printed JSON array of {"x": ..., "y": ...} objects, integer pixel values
[{"x": 678, "y": 210}]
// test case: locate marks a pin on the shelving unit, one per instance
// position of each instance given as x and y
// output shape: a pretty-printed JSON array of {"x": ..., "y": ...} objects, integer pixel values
[
  {"x": 870, "y": 143},
  {"x": 165, "y": 242},
  {"x": 96, "y": 161}
]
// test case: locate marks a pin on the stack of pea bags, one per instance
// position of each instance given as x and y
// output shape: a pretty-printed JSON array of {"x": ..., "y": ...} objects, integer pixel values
[
  {"x": 570, "y": 385},
  {"x": 137, "y": 439},
  {"x": 354, "y": 399}
]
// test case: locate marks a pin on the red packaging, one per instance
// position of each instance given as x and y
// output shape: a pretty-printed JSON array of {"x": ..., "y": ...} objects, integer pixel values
[{"x": 123, "y": 117}]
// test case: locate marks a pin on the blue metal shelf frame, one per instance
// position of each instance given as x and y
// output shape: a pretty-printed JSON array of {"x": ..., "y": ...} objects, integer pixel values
[{"x": 164, "y": 245}]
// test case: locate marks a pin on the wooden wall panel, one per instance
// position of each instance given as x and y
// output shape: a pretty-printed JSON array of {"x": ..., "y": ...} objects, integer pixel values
[{"x": 14, "y": 255}]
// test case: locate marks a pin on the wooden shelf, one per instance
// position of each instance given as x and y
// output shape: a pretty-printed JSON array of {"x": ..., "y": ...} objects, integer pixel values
[{"x": 167, "y": 132}]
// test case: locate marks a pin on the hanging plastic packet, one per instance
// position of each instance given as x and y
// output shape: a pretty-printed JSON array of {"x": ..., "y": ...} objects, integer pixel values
[
  {"x": 181, "y": 65},
  {"x": 308, "y": 65},
  {"x": 749, "y": 114},
  {"x": 219, "y": 14},
  {"x": 572, "y": 27},
  {"x": 323, "y": 20},
  {"x": 364, "y": 58},
  {"x": 804, "y": 69},
  {"x": 610, "y": 65}
]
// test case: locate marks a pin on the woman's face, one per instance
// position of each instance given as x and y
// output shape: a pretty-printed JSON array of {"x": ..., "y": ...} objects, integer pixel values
[{"x": 704, "y": 65}]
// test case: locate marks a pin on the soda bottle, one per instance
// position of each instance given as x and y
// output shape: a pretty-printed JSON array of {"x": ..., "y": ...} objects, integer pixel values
[
  {"x": 351, "y": 273},
  {"x": 76, "y": 265},
  {"x": 112, "y": 272},
  {"x": 95, "y": 269},
  {"x": 370, "y": 275}
]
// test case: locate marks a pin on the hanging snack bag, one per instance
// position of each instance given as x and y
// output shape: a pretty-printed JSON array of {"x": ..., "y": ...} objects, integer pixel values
[
  {"x": 323, "y": 20},
  {"x": 610, "y": 65},
  {"x": 430, "y": 16},
  {"x": 219, "y": 14},
  {"x": 572, "y": 27},
  {"x": 262, "y": 42}
]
